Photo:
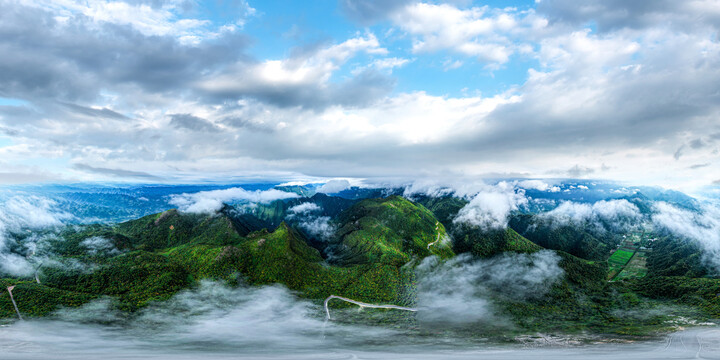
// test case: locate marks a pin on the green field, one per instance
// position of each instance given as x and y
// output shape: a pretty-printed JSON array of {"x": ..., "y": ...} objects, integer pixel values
[{"x": 618, "y": 260}]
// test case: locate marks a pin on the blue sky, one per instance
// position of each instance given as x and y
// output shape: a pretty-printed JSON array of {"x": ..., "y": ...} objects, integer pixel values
[
  {"x": 279, "y": 26},
  {"x": 195, "y": 91}
]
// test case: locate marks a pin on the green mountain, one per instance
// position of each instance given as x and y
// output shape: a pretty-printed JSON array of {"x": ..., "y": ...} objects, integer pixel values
[
  {"x": 277, "y": 211},
  {"x": 390, "y": 231},
  {"x": 370, "y": 257}
]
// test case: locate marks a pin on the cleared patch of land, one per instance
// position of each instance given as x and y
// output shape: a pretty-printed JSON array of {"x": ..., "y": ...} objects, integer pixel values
[
  {"x": 635, "y": 268},
  {"x": 629, "y": 260},
  {"x": 618, "y": 260}
]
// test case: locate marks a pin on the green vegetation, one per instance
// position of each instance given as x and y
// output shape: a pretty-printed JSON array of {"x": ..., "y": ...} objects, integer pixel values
[
  {"x": 490, "y": 243},
  {"x": 702, "y": 293},
  {"x": 635, "y": 268},
  {"x": 389, "y": 231},
  {"x": 370, "y": 258},
  {"x": 676, "y": 257},
  {"x": 573, "y": 239},
  {"x": 37, "y": 300},
  {"x": 618, "y": 260}
]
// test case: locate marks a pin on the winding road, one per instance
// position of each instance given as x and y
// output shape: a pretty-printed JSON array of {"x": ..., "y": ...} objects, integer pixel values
[
  {"x": 437, "y": 228},
  {"x": 363, "y": 305}
]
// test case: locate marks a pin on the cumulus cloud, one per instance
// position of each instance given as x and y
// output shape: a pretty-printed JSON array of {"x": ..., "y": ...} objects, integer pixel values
[
  {"x": 490, "y": 209},
  {"x": 334, "y": 186},
  {"x": 459, "y": 186},
  {"x": 309, "y": 219},
  {"x": 303, "y": 79},
  {"x": 481, "y": 32},
  {"x": 20, "y": 213},
  {"x": 304, "y": 208},
  {"x": 615, "y": 214},
  {"x": 538, "y": 185},
  {"x": 213, "y": 200},
  {"x": 310, "y": 113},
  {"x": 702, "y": 227},
  {"x": 458, "y": 291}
]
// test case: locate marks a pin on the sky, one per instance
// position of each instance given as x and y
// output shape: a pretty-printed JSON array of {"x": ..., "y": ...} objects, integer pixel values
[{"x": 187, "y": 91}]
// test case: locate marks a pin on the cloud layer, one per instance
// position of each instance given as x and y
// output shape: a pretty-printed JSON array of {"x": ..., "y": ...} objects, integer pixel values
[
  {"x": 213, "y": 200},
  {"x": 490, "y": 209},
  {"x": 459, "y": 291},
  {"x": 162, "y": 90},
  {"x": 615, "y": 215},
  {"x": 702, "y": 227},
  {"x": 18, "y": 214}
]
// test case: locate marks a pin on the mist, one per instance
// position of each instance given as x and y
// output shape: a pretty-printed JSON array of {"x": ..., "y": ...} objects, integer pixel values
[
  {"x": 230, "y": 320},
  {"x": 98, "y": 245},
  {"x": 458, "y": 291},
  {"x": 490, "y": 209},
  {"x": 18, "y": 215},
  {"x": 702, "y": 227},
  {"x": 216, "y": 321},
  {"x": 604, "y": 215},
  {"x": 308, "y": 219},
  {"x": 211, "y": 201}
]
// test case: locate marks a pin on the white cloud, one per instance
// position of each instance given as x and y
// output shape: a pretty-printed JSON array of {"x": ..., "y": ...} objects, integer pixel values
[
  {"x": 702, "y": 226},
  {"x": 165, "y": 20},
  {"x": 98, "y": 245},
  {"x": 490, "y": 209},
  {"x": 304, "y": 208},
  {"x": 389, "y": 63},
  {"x": 458, "y": 291},
  {"x": 289, "y": 79},
  {"x": 19, "y": 213},
  {"x": 384, "y": 64},
  {"x": 308, "y": 219},
  {"x": 318, "y": 226},
  {"x": 305, "y": 114},
  {"x": 538, "y": 185},
  {"x": 485, "y": 33},
  {"x": 334, "y": 186},
  {"x": 213, "y": 200},
  {"x": 617, "y": 214}
]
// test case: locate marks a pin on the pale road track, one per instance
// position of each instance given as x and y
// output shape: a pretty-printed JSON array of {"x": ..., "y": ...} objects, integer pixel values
[
  {"x": 363, "y": 305},
  {"x": 10, "y": 289},
  {"x": 37, "y": 273},
  {"x": 437, "y": 228}
]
